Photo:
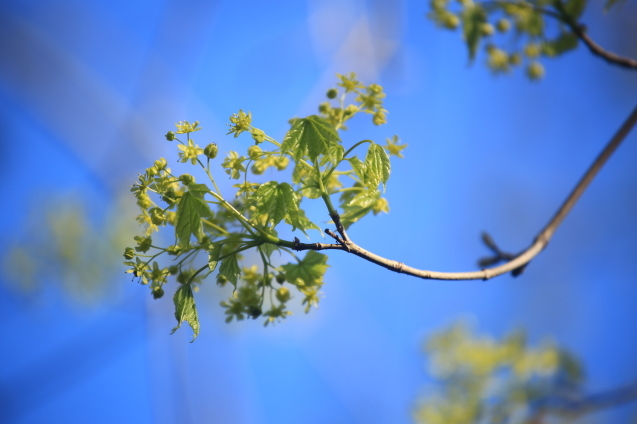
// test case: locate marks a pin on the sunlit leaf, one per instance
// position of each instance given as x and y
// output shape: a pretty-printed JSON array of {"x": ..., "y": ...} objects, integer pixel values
[
  {"x": 276, "y": 200},
  {"x": 377, "y": 167},
  {"x": 311, "y": 136},
  {"x": 230, "y": 269},
  {"x": 309, "y": 270},
  {"x": 185, "y": 309},
  {"x": 188, "y": 219}
]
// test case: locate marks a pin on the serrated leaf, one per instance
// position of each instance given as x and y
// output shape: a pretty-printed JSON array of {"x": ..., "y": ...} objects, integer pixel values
[
  {"x": 358, "y": 166},
  {"x": 230, "y": 269},
  {"x": 377, "y": 166},
  {"x": 188, "y": 218},
  {"x": 335, "y": 154},
  {"x": 473, "y": 16},
  {"x": 311, "y": 136},
  {"x": 297, "y": 219},
  {"x": 359, "y": 206},
  {"x": 276, "y": 200},
  {"x": 213, "y": 256},
  {"x": 198, "y": 188},
  {"x": 310, "y": 269},
  {"x": 185, "y": 309}
]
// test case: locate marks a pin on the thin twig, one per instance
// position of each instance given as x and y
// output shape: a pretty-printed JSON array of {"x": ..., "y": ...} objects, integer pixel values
[
  {"x": 519, "y": 261},
  {"x": 580, "y": 31}
]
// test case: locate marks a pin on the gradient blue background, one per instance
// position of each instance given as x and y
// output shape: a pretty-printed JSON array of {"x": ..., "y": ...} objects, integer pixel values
[{"x": 87, "y": 90}]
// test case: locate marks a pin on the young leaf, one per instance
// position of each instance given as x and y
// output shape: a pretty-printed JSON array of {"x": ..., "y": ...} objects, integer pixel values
[
  {"x": 359, "y": 206},
  {"x": 297, "y": 219},
  {"x": 311, "y": 136},
  {"x": 276, "y": 200},
  {"x": 185, "y": 309},
  {"x": 473, "y": 17},
  {"x": 310, "y": 269},
  {"x": 358, "y": 166},
  {"x": 188, "y": 219},
  {"x": 230, "y": 269},
  {"x": 377, "y": 166}
]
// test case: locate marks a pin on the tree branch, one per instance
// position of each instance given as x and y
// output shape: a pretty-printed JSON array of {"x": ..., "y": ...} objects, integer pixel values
[
  {"x": 580, "y": 31},
  {"x": 514, "y": 265}
]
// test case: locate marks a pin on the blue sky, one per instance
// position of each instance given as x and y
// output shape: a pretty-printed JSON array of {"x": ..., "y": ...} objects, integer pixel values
[{"x": 87, "y": 91}]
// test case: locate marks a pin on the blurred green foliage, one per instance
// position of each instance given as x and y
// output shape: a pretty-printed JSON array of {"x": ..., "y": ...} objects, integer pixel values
[{"x": 483, "y": 380}]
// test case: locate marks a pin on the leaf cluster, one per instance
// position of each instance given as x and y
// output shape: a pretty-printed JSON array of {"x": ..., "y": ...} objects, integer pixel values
[
  {"x": 212, "y": 230},
  {"x": 485, "y": 380},
  {"x": 512, "y": 33}
]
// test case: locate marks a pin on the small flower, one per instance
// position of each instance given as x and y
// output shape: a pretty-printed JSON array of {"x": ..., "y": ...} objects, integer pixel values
[
  {"x": 349, "y": 82},
  {"x": 184, "y": 127},
  {"x": 275, "y": 314},
  {"x": 393, "y": 147},
  {"x": 190, "y": 152},
  {"x": 241, "y": 123}
]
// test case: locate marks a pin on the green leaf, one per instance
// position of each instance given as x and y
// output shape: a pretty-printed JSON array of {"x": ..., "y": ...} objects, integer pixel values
[
  {"x": 297, "y": 219},
  {"x": 377, "y": 167},
  {"x": 230, "y": 269},
  {"x": 335, "y": 154},
  {"x": 565, "y": 42},
  {"x": 309, "y": 270},
  {"x": 185, "y": 309},
  {"x": 311, "y": 136},
  {"x": 574, "y": 8},
  {"x": 358, "y": 166},
  {"x": 473, "y": 16},
  {"x": 188, "y": 219},
  {"x": 359, "y": 206},
  {"x": 276, "y": 200}
]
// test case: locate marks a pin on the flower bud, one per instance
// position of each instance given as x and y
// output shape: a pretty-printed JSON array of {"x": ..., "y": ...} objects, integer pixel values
[
  {"x": 158, "y": 292},
  {"x": 254, "y": 152},
  {"x": 211, "y": 151},
  {"x": 161, "y": 164},
  {"x": 332, "y": 93},
  {"x": 535, "y": 70},
  {"x": 186, "y": 179},
  {"x": 487, "y": 29},
  {"x": 503, "y": 25},
  {"x": 170, "y": 136},
  {"x": 280, "y": 278},
  {"x": 129, "y": 253},
  {"x": 283, "y": 294}
]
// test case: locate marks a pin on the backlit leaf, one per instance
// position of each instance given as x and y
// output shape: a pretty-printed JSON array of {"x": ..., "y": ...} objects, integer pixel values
[
  {"x": 230, "y": 269},
  {"x": 309, "y": 270},
  {"x": 311, "y": 136},
  {"x": 377, "y": 166},
  {"x": 188, "y": 218},
  {"x": 185, "y": 309}
]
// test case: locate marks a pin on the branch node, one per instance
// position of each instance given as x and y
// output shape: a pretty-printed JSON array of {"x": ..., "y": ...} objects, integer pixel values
[{"x": 297, "y": 244}]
